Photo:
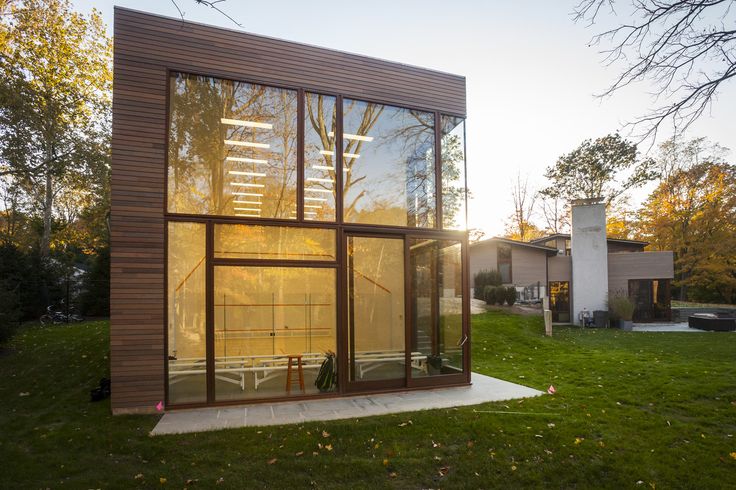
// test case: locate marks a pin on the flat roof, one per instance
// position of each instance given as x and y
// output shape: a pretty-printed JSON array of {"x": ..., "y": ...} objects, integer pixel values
[
  {"x": 515, "y": 243},
  {"x": 567, "y": 235}
]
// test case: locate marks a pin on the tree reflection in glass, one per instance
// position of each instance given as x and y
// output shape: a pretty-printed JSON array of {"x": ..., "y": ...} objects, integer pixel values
[
  {"x": 389, "y": 165},
  {"x": 319, "y": 157},
  {"x": 232, "y": 148},
  {"x": 453, "y": 173}
]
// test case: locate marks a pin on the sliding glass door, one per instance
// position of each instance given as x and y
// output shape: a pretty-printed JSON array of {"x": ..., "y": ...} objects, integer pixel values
[{"x": 375, "y": 311}]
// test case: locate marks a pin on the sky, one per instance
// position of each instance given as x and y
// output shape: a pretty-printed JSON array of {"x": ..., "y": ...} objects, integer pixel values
[{"x": 531, "y": 75}]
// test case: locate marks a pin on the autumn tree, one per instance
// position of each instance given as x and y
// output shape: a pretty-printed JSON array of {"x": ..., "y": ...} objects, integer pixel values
[
  {"x": 685, "y": 49},
  {"x": 693, "y": 213},
  {"x": 55, "y": 85},
  {"x": 604, "y": 168},
  {"x": 555, "y": 214}
]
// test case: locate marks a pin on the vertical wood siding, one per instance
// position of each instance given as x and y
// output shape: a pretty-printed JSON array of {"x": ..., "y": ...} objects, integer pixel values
[{"x": 146, "y": 46}]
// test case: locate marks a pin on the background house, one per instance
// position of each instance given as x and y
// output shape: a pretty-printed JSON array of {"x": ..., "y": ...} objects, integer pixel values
[{"x": 556, "y": 265}]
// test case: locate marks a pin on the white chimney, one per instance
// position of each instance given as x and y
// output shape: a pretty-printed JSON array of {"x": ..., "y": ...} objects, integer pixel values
[{"x": 589, "y": 257}]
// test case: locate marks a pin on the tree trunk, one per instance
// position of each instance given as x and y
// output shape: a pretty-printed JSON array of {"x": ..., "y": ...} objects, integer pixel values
[{"x": 47, "y": 208}]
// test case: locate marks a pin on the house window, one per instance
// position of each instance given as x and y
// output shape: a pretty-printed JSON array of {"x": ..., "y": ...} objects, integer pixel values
[
  {"x": 651, "y": 299},
  {"x": 504, "y": 263},
  {"x": 559, "y": 301},
  {"x": 186, "y": 313},
  {"x": 274, "y": 243},
  {"x": 389, "y": 165},
  {"x": 232, "y": 148},
  {"x": 320, "y": 161},
  {"x": 568, "y": 247},
  {"x": 453, "y": 173}
]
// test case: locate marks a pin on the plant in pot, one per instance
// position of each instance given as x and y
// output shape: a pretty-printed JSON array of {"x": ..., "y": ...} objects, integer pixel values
[
  {"x": 622, "y": 308},
  {"x": 434, "y": 364}
]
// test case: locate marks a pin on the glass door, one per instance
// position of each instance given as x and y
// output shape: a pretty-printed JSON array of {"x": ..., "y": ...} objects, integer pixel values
[
  {"x": 376, "y": 313},
  {"x": 438, "y": 335}
]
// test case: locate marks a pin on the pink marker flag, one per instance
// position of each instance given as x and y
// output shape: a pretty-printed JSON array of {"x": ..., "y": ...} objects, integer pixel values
[
  {"x": 160, "y": 406},
  {"x": 551, "y": 390}
]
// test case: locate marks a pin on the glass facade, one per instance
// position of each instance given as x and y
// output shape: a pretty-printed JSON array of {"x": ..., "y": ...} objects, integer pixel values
[
  {"x": 186, "y": 312},
  {"x": 232, "y": 148},
  {"x": 453, "y": 173},
  {"x": 320, "y": 162},
  {"x": 304, "y": 239},
  {"x": 437, "y": 306},
  {"x": 390, "y": 168}
]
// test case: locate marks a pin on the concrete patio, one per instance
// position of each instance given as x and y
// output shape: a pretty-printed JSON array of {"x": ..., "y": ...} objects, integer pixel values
[{"x": 484, "y": 389}]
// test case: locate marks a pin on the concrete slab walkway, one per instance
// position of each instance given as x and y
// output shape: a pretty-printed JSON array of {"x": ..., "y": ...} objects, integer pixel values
[
  {"x": 484, "y": 389},
  {"x": 664, "y": 327}
]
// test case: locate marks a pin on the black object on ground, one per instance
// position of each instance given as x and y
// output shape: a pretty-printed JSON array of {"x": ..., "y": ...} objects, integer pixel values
[
  {"x": 101, "y": 392},
  {"x": 712, "y": 322}
]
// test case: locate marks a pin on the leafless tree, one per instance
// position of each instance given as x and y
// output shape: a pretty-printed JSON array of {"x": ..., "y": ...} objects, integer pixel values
[
  {"x": 686, "y": 48},
  {"x": 524, "y": 200},
  {"x": 555, "y": 213},
  {"x": 207, "y": 3}
]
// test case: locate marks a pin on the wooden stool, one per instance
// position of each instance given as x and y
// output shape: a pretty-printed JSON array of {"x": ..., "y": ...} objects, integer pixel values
[{"x": 300, "y": 374}]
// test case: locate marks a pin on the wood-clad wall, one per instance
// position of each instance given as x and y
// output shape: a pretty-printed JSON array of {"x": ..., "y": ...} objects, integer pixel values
[{"x": 146, "y": 47}]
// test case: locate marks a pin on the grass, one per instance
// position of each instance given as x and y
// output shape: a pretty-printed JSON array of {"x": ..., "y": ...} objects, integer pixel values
[{"x": 632, "y": 409}]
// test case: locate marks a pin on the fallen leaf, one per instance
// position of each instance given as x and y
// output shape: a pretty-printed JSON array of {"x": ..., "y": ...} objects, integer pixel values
[
  {"x": 272, "y": 460},
  {"x": 513, "y": 467},
  {"x": 444, "y": 470},
  {"x": 162, "y": 480},
  {"x": 328, "y": 447},
  {"x": 579, "y": 440},
  {"x": 139, "y": 476},
  {"x": 392, "y": 474},
  {"x": 220, "y": 480},
  {"x": 385, "y": 462},
  {"x": 300, "y": 453},
  {"x": 325, "y": 434},
  {"x": 192, "y": 481},
  {"x": 733, "y": 455}
]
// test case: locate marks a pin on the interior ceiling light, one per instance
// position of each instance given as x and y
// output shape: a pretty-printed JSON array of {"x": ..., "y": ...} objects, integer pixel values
[
  {"x": 346, "y": 155},
  {"x": 247, "y": 202},
  {"x": 325, "y": 167},
  {"x": 249, "y": 144},
  {"x": 252, "y": 174},
  {"x": 247, "y": 209},
  {"x": 250, "y": 215},
  {"x": 253, "y": 194},
  {"x": 247, "y": 124},
  {"x": 246, "y": 184},
  {"x": 313, "y": 189},
  {"x": 313, "y": 206},
  {"x": 246, "y": 160},
  {"x": 321, "y": 199},
  {"x": 357, "y": 137},
  {"x": 316, "y": 179}
]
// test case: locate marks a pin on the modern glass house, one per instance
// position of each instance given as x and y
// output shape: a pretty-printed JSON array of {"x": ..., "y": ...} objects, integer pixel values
[{"x": 275, "y": 204}]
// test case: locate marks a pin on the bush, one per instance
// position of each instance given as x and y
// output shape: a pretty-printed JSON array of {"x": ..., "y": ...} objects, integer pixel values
[
  {"x": 511, "y": 295},
  {"x": 499, "y": 293},
  {"x": 620, "y": 307},
  {"x": 489, "y": 294},
  {"x": 95, "y": 298},
  {"x": 482, "y": 279},
  {"x": 10, "y": 310}
]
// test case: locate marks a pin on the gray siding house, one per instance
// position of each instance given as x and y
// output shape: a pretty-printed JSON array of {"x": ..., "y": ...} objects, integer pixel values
[{"x": 545, "y": 266}]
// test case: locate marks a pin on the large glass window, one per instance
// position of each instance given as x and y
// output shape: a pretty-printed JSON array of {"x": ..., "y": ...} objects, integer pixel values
[
  {"x": 263, "y": 316},
  {"x": 559, "y": 301},
  {"x": 453, "y": 173},
  {"x": 503, "y": 262},
  {"x": 437, "y": 306},
  {"x": 319, "y": 157},
  {"x": 274, "y": 242},
  {"x": 389, "y": 176},
  {"x": 376, "y": 308},
  {"x": 186, "y": 313},
  {"x": 232, "y": 148}
]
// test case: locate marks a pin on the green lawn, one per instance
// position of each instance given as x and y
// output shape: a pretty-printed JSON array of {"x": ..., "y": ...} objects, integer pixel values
[{"x": 659, "y": 409}]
